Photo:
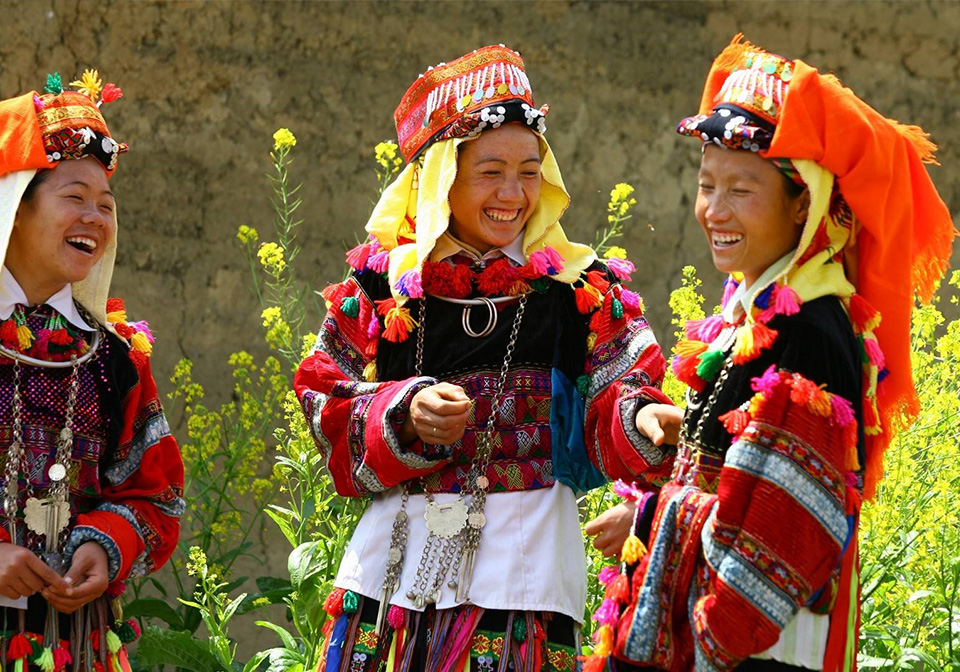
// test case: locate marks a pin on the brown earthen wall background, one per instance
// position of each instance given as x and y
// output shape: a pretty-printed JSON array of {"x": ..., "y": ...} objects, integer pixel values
[{"x": 207, "y": 83}]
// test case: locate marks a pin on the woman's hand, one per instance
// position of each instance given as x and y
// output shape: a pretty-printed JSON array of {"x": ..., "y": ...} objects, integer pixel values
[
  {"x": 660, "y": 423},
  {"x": 86, "y": 581},
  {"x": 611, "y": 528},
  {"x": 438, "y": 415},
  {"x": 22, "y": 573}
]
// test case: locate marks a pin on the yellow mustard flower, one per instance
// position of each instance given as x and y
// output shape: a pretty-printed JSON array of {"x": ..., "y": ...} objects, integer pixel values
[
  {"x": 247, "y": 234},
  {"x": 271, "y": 257},
  {"x": 284, "y": 139},
  {"x": 615, "y": 252}
]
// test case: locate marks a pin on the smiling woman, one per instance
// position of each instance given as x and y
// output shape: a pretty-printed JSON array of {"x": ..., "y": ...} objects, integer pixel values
[
  {"x": 92, "y": 481},
  {"x": 475, "y": 371}
]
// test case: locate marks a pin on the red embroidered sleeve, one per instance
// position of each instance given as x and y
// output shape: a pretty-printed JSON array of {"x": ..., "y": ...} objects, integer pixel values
[
  {"x": 138, "y": 521},
  {"x": 777, "y": 531},
  {"x": 624, "y": 371},
  {"x": 354, "y": 422}
]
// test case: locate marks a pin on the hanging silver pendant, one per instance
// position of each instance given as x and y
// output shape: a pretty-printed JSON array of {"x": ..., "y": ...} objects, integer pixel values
[{"x": 491, "y": 319}]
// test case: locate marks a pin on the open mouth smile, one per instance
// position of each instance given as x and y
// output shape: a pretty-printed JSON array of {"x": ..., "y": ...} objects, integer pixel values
[
  {"x": 82, "y": 244},
  {"x": 723, "y": 240},
  {"x": 501, "y": 215}
]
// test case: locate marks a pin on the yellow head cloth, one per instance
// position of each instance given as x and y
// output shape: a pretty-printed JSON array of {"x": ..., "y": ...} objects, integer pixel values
[{"x": 421, "y": 192}]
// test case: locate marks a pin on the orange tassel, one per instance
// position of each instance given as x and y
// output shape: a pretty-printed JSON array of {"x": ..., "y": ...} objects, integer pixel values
[
  {"x": 598, "y": 281},
  {"x": 619, "y": 590},
  {"x": 588, "y": 298},
  {"x": 690, "y": 348},
  {"x": 735, "y": 421},
  {"x": 763, "y": 336},
  {"x": 398, "y": 324}
]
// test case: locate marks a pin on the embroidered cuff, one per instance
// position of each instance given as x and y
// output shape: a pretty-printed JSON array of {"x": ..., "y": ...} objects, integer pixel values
[
  {"x": 82, "y": 534},
  {"x": 416, "y": 454},
  {"x": 629, "y": 407}
]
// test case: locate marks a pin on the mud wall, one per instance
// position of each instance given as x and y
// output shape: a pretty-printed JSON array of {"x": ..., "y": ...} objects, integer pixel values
[{"x": 207, "y": 83}]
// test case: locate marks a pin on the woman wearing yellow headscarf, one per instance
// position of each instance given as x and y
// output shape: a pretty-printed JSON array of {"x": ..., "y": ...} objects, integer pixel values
[{"x": 474, "y": 372}]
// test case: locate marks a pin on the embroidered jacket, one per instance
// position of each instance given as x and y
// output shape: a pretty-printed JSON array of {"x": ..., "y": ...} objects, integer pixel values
[
  {"x": 765, "y": 522},
  {"x": 574, "y": 385},
  {"x": 126, "y": 480}
]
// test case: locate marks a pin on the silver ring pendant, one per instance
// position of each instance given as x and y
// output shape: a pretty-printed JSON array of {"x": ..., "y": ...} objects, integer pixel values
[{"x": 491, "y": 319}]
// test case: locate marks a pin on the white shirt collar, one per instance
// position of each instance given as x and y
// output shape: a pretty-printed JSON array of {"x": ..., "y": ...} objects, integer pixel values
[
  {"x": 11, "y": 294},
  {"x": 447, "y": 246},
  {"x": 744, "y": 295}
]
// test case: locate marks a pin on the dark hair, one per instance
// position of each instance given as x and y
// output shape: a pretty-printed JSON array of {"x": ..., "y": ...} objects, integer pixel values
[
  {"x": 37, "y": 180},
  {"x": 793, "y": 189}
]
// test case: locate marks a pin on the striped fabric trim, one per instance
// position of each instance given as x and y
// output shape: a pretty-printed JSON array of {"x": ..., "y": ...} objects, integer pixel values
[
  {"x": 803, "y": 642},
  {"x": 744, "y": 578},
  {"x": 794, "y": 480}
]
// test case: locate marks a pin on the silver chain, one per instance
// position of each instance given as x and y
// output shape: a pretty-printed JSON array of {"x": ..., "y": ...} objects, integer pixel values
[
  {"x": 684, "y": 465},
  {"x": 441, "y": 554}
]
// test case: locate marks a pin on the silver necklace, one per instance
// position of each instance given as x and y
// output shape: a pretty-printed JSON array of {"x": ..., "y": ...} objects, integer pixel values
[{"x": 455, "y": 528}]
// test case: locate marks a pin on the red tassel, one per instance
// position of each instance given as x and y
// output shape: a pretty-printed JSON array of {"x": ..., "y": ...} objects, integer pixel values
[
  {"x": 593, "y": 663},
  {"x": 386, "y": 305},
  {"x": 619, "y": 590},
  {"x": 20, "y": 647},
  {"x": 328, "y": 293},
  {"x": 597, "y": 279},
  {"x": 62, "y": 657},
  {"x": 333, "y": 605},
  {"x": 763, "y": 336},
  {"x": 587, "y": 299},
  {"x": 61, "y": 337},
  {"x": 685, "y": 369},
  {"x": 8, "y": 332},
  {"x": 864, "y": 316},
  {"x": 115, "y": 305},
  {"x": 735, "y": 421}
]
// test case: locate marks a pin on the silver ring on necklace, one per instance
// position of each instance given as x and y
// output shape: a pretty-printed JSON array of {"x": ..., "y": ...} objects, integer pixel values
[
  {"x": 33, "y": 361},
  {"x": 491, "y": 319}
]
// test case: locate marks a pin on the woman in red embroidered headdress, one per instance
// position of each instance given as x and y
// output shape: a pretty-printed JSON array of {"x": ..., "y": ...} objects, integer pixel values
[
  {"x": 823, "y": 214},
  {"x": 92, "y": 478},
  {"x": 473, "y": 373}
]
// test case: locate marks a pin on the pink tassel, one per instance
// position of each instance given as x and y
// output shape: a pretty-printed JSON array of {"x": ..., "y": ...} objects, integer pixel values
[
  {"x": 621, "y": 268},
  {"x": 38, "y": 104},
  {"x": 630, "y": 299},
  {"x": 379, "y": 262},
  {"x": 396, "y": 617},
  {"x": 143, "y": 328},
  {"x": 786, "y": 301},
  {"x": 546, "y": 261},
  {"x": 874, "y": 353},
  {"x": 710, "y": 328},
  {"x": 357, "y": 257},
  {"x": 767, "y": 314},
  {"x": 608, "y": 574},
  {"x": 409, "y": 284},
  {"x": 843, "y": 413},
  {"x": 769, "y": 380},
  {"x": 607, "y": 614},
  {"x": 624, "y": 490},
  {"x": 373, "y": 329}
]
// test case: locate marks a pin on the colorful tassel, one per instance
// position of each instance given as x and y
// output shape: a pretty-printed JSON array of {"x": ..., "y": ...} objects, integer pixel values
[
  {"x": 631, "y": 300},
  {"x": 379, "y": 262},
  {"x": 591, "y": 341},
  {"x": 583, "y": 385},
  {"x": 370, "y": 372},
  {"x": 762, "y": 300},
  {"x": 8, "y": 332},
  {"x": 597, "y": 280},
  {"x": 54, "y": 84},
  {"x": 396, "y": 617},
  {"x": 607, "y": 613},
  {"x": 398, "y": 324},
  {"x": 603, "y": 638},
  {"x": 141, "y": 343},
  {"x": 874, "y": 353},
  {"x": 520, "y": 629},
  {"x": 619, "y": 590},
  {"x": 410, "y": 284},
  {"x": 711, "y": 361},
  {"x": 633, "y": 549},
  {"x": 786, "y": 301},
  {"x": 62, "y": 657},
  {"x": 357, "y": 257},
  {"x": 333, "y": 605},
  {"x": 588, "y": 298},
  {"x": 621, "y": 268},
  {"x": 729, "y": 287},
  {"x": 351, "y": 602},
  {"x": 685, "y": 369},
  {"x": 546, "y": 261},
  {"x": 690, "y": 349},
  {"x": 608, "y": 574},
  {"x": 25, "y": 337},
  {"x": 843, "y": 413},
  {"x": 616, "y": 309},
  {"x": 864, "y": 316},
  {"x": 113, "y": 642},
  {"x": 45, "y": 660},
  {"x": 735, "y": 421},
  {"x": 767, "y": 381},
  {"x": 350, "y": 306},
  {"x": 61, "y": 337}
]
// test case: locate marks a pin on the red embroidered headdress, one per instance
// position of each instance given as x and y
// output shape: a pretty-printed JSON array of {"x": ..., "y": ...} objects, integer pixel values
[{"x": 458, "y": 99}]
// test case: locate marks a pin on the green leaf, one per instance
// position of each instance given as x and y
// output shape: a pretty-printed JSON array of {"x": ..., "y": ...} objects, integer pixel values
[
  {"x": 284, "y": 525},
  {"x": 268, "y": 583},
  {"x": 305, "y": 561},
  {"x": 180, "y": 649},
  {"x": 151, "y": 607},
  {"x": 289, "y": 642},
  {"x": 254, "y": 662},
  {"x": 232, "y": 608}
]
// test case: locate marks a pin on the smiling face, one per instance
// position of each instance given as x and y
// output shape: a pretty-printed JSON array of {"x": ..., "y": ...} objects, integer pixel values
[
  {"x": 62, "y": 229},
  {"x": 745, "y": 211},
  {"x": 497, "y": 187}
]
